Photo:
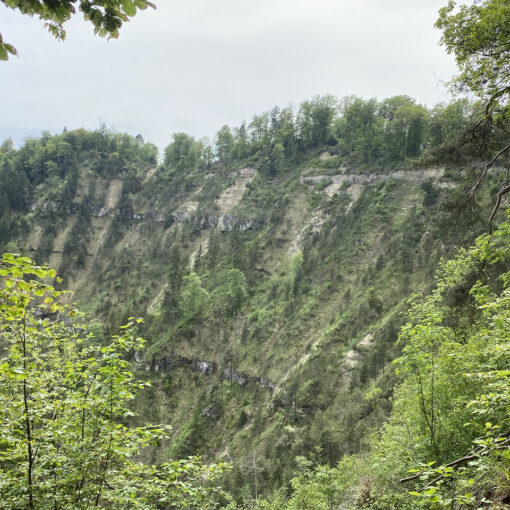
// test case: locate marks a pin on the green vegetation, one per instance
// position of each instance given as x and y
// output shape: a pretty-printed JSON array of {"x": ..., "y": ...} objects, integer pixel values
[
  {"x": 106, "y": 16},
  {"x": 272, "y": 290},
  {"x": 478, "y": 36},
  {"x": 445, "y": 444},
  {"x": 64, "y": 408},
  {"x": 285, "y": 275}
]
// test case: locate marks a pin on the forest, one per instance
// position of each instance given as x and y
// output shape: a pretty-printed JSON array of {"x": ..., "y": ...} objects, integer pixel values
[{"x": 309, "y": 311}]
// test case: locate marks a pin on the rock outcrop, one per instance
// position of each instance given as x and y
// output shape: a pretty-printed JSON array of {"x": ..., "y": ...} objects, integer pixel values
[{"x": 168, "y": 364}]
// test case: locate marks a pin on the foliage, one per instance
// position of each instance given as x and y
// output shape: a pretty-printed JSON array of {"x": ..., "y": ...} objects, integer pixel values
[
  {"x": 106, "y": 16},
  {"x": 454, "y": 401},
  {"x": 447, "y": 437},
  {"x": 65, "y": 442},
  {"x": 478, "y": 36},
  {"x": 224, "y": 145},
  {"x": 362, "y": 131},
  {"x": 250, "y": 346},
  {"x": 184, "y": 153},
  {"x": 232, "y": 291},
  {"x": 194, "y": 298},
  {"x": 314, "y": 120},
  {"x": 46, "y": 174},
  {"x": 396, "y": 128}
]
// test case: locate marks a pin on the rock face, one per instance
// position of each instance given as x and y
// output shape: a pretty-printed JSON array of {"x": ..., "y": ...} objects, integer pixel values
[
  {"x": 354, "y": 357},
  {"x": 178, "y": 216},
  {"x": 168, "y": 364},
  {"x": 233, "y": 376},
  {"x": 265, "y": 383},
  {"x": 98, "y": 211},
  {"x": 316, "y": 179},
  {"x": 211, "y": 412},
  {"x": 406, "y": 175},
  {"x": 225, "y": 223},
  {"x": 203, "y": 367},
  {"x": 244, "y": 379}
]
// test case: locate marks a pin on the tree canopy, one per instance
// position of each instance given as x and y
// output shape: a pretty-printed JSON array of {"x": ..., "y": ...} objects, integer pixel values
[
  {"x": 64, "y": 416},
  {"x": 106, "y": 16},
  {"x": 446, "y": 442},
  {"x": 479, "y": 37}
]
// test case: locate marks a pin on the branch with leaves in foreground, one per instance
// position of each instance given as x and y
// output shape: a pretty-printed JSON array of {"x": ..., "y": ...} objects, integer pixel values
[
  {"x": 478, "y": 35},
  {"x": 64, "y": 438},
  {"x": 106, "y": 16},
  {"x": 501, "y": 443}
]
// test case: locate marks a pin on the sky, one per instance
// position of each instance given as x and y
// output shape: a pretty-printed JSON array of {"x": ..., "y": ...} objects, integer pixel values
[{"x": 195, "y": 65}]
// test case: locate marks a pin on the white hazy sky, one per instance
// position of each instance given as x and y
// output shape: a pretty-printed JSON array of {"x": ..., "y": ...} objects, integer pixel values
[{"x": 194, "y": 65}]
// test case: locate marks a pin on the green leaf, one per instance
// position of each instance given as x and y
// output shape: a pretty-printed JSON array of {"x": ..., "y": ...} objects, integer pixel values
[{"x": 129, "y": 7}]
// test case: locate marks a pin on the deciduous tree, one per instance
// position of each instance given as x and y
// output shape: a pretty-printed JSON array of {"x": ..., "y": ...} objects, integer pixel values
[
  {"x": 106, "y": 16},
  {"x": 479, "y": 37},
  {"x": 65, "y": 442}
]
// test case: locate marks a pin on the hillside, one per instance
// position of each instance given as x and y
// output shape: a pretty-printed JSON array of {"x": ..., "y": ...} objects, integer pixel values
[{"x": 273, "y": 275}]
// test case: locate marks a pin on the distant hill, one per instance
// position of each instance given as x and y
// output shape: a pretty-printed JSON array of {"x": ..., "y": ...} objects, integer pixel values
[{"x": 272, "y": 269}]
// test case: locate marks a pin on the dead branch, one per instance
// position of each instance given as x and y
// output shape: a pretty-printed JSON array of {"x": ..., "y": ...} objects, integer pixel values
[
  {"x": 487, "y": 167},
  {"x": 500, "y": 194},
  {"x": 474, "y": 454},
  {"x": 455, "y": 463}
]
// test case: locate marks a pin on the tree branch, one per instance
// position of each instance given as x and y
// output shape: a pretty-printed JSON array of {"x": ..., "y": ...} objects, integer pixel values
[
  {"x": 487, "y": 167},
  {"x": 474, "y": 454},
  {"x": 28, "y": 426},
  {"x": 500, "y": 194}
]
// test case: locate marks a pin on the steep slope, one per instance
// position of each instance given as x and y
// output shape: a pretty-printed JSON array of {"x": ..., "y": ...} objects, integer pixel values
[{"x": 272, "y": 292}]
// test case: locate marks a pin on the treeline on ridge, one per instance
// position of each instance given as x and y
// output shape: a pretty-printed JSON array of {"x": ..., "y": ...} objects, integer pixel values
[{"x": 363, "y": 132}]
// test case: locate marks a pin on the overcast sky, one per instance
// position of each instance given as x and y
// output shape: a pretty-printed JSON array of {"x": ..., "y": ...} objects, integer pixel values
[{"x": 195, "y": 65}]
